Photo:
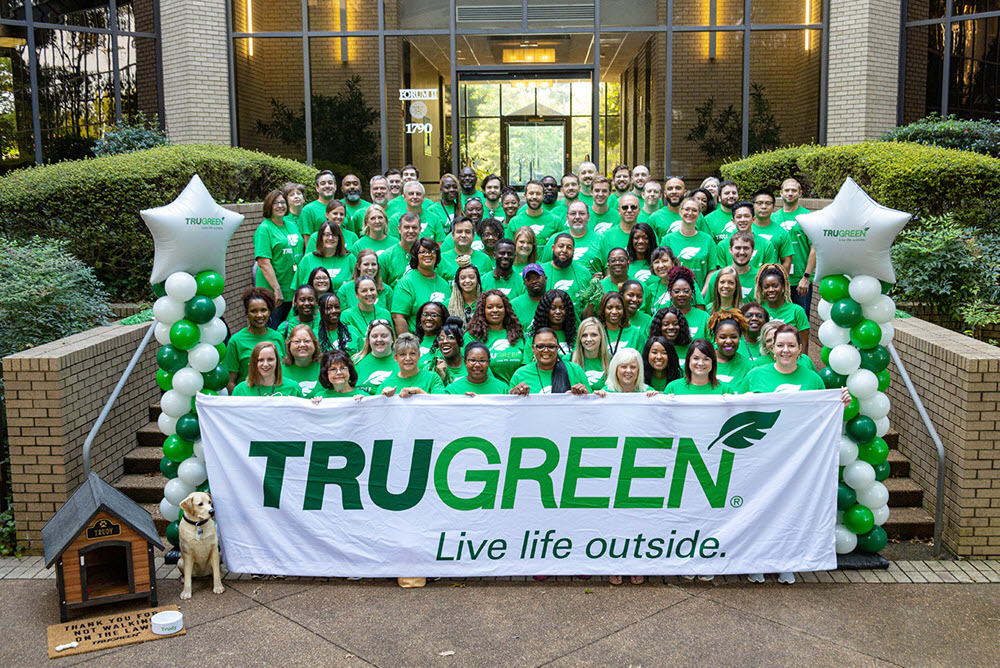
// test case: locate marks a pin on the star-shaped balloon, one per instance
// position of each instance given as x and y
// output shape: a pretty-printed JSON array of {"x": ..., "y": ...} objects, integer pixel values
[
  {"x": 191, "y": 233},
  {"x": 853, "y": 234}
]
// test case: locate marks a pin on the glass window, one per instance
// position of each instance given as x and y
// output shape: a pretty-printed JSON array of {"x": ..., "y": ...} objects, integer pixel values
[
  {"x": 267, "y": 15},
  {"x": 137, "y": 65},
  {"x": 419, "y": 129},
  {"x": 17, "y": 140},
  {"x": 699, "y": 12},
  {"x": 634, "y": 12},
  {"x": 975, "y": 69},
  {"x": 12, "y": 9},
  {"x": 96, "y": 15},
  {"x": 343, "y": 15},
  {"x": 971, "y": 6},
  {"x": 773, "y": 12},
  {"x": 270, "y": 95},
  {"x": 921, "y": 10},
  {"x": 566, "y": 13},
  {"x": 924, "y": 65},
  {"x": 784, "y": 88},
  {"x": 416, "y": 14},
  {"x": 136, "y": 16}
]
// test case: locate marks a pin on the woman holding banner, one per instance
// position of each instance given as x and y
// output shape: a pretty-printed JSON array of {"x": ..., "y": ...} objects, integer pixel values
[
  {"x": 591, "y": 352},
  {"x": 375, "y": 362},
  {"x": 495, "y": 324},
  {"x": 337, "y": 378},
  {"x": 301, "y": 361},
  {"x": 548, "y": 374},
  {"x": 409, "y": 379},
  {"x": 660, "y": 364},
  {"x": 477, "y": 379},
  {"x": 264, "y": 376},
  {"x": 700, "y": 372}
]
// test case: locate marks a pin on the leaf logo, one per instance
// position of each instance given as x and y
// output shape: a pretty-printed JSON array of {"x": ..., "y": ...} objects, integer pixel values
[
  {"x": 674, "y": 226},
  {"x": 642, "y": 275},
  {"x": 788, "y": 387},
  {"x": 564, "y": 285},
  {"x": 688, "y": 253},
  {"x": 788, "y": 225},
  {"x": 377, "y": 377},
  {"x": 579, "y": 252},
  {"x": 500, "y": 345},
  {"x": 477, "y": 245},
  {"x": 743, "y": 430},
  {"x": 436, "y": 297},
  {"x": 601, "y": 228}
]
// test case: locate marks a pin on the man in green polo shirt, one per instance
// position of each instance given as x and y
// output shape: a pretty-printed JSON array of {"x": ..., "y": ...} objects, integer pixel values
[
  {"x": 586, "y": 242},
  {"x": 468, "y": 179},
  {"x": 542, "y": 223},
  {"x": 524, "y": 306},
  {"x": 763, "y": 226},
  {"x": 603, "y": 216},
  {"x": 803, "y": 253},
  {"x": 355, "y": 205},
  {"x": 314, "y": 213},
  {"x": 729, "y": 194}
]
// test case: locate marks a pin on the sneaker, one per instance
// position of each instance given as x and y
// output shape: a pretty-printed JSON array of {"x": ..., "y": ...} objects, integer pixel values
[
  {"x": 786, "y": 578},
  {"x": 688, "y": 577},
  {"x": 755, "y": 577},
  {"x": 706, "y": 578}
]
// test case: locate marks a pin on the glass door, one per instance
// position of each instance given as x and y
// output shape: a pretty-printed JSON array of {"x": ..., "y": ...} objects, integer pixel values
[{"x": 534, "y": 148}]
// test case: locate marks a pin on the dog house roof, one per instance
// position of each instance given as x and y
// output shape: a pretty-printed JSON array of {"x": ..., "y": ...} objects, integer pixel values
[{"x": 92, "y": 497}]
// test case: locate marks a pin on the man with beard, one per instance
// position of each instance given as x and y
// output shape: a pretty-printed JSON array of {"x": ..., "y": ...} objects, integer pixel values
[
  {"x": 763, "y": 252},
  {"x": 570, "y": 187},
  {"x": 640, "y": 175},
  {"x": 550, "y": 198},
  {"x": 356, "y": 207},
  {"x": 621, "y": 181},
  {"x": 314, "y": 213},
  {"x": 467, "y": 179},
  {"x": 492, "y": 187},
  {"x": 602, "y": 216},
  {"x": 542, "y": 223},
  {"x": 396, "y": 261},
  {"x": 563, "y": 272},
  {"x": 718, "y": 221},
  {"x": 617, "y": 235},
  {"x": 395, "y": 179},
  {"x": 586, "y": 242},
  {"x": 378, "y": 188},
  {"x": 463, "y": 234},
  {"x": 587, "y": 172},
  {"x": 415, "y": 203},
  {"x": 741, "y": 249},
  {"x": 524, "y": 306},
  {"x": 449, "y": 208},
  {"x": 502, "y": 277}
]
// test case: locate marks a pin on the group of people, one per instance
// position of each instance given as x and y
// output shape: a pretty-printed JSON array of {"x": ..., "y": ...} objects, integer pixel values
[{"x": 586, "y": 284}]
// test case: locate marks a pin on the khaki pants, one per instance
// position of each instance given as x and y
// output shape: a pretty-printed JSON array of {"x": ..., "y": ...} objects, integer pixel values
[{"x": 410, "y": 583}]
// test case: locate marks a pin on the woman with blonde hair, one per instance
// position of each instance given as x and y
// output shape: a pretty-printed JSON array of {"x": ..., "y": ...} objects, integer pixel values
[
  {"x": 726, "y": 291},
  {"x": 525, "y": 248},
  {"x": 374, "y": 231},
  {"x": 366, "y": 265},
  {"x": 465, "y": 291},
  {"x": 591, "y": 351},
  {"x": 264, "y": 376}
]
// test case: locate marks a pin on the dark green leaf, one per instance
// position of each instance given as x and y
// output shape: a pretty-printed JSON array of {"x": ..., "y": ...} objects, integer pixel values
[{"x": 741, "y": 431}]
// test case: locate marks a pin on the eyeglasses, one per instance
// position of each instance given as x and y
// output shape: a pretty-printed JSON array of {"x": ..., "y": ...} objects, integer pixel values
[
  {"x": 755, "y": 315},
  {"x": 545, "y": 347},
  {"x": 425, "y": 251},
  {"x": 477, "y": 362},
  {"x": 628, "y": 207}
]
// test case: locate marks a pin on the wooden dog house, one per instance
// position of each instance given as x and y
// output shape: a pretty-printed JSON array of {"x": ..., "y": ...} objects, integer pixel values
[{"x": 102, "y": 544}]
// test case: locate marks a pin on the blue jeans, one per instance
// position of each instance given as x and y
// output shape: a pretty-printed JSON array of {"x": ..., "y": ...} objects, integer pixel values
[{"x": 804, "y": 301}]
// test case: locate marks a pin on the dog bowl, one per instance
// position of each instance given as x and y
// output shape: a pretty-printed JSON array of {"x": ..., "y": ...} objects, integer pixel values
[{"x": 167, "y": 622}]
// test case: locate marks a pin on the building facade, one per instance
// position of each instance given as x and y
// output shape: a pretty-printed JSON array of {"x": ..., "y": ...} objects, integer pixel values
[{"x": 516, "y": 87}]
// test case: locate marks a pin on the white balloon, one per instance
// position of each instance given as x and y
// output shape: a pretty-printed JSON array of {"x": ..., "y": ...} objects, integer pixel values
[
  {"x": 859, "y": 475},
  {"x": 175, "y": 403},
  {"x": 167, "y": 424},
  {"x": 169, "y": 511},
  {"x": 202, "y": 358},
  {"x": 840, "y": 517},
  {"x": 881, "y": 515},
  {"x": 864, "y": 289},
  {"x": 882, "y": 310},
  {"x": 224, "y": 392},
  {"x": 845, "y": 359},
  {"x": 199, "y": 450},
  {"x": 192, "y": 471},
  {"x": 213, "y": 332},
  {"x": 188, "y": 381},
  {"x": 882, "y": 427},
  {"x": 873, "y": 496},
  {"x": 832, "y": 335},
  {"x": 848, "y": 451},
  {"x": 875, "y": 406},
  {"x": 823, "y": 308},
  {"x": 888, "y": 331},
  {"x": 177, "y": 490},
  {"x": 220, "y": 306},
  {"x": 846, "y": 539},
  {"x": 862, "y": 383},
  {"x": 162, "y": 332},
  {"x": 181, "y": 286},
  {"x": 167, "y": 310}
]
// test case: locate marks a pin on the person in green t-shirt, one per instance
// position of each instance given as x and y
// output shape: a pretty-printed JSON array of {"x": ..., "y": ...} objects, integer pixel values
[
  {"x": 336, "y": 213},
  {"x": 756, "y": 317},
  {"x": 365, "y": 310},
  {"x": 503, "y": 277},
  {"x": 613, "y": 315},
  {"x": 604, "y": 213},
  {"x": 431, "y": 217},
  {"x": 542, "y": 223},
  {"x": 633, "y": 294},
  {"x": 449, "y": 207},
  {"x": 724, "y": 290},
  {"x": 674, "y": 191},
  {"x": 264, "y": 375},
  {"x": 375, "y": 362},
  {"x": 466, "y": 288},
  {"x": 692, "y": 248},
  {"x": 671, "y": 324},
  {"x": 366, "y": 266},
  {"x": 492, "y": 188},
  {"x": 681, "y": 285},
  {"x": 295, "y": 196},
  {"x": 410, "y": 379},
  {"x": 477, "y": 378},
  {"x": 564, "y": 274},
  {"x": 619, "y": 235},
  {"x": 651, "y": 202},
  {"x": 556, "y": 311},
  {"x": 586, "y": 242},
  {"x": 277, "y": 247},
  {"x": 257, "y": 304},
  {"x": 727, "y": 328},
  {"x": 396, "y": 261},
  {"x": 717, "y": 220},
  {"x": 337, "y": 378},
  {"x": 626, "y": 374},
  {"x": 590, "y": 352},
  {"x": 333, "y": 332},
  {"x": 303, "y": 311},
  {"x": 773, "y": 294},
  {"x": 549, "y": 373},
  {"x": 659, "y": 362},
  {"x": 699, "y": 372},
  {"x": 525, "y": 305},
  {"x": 641, "y": 242},
  {"x": 355, "y": 205},
  {"x": 763, "y": 206},
  {"x": 463, "y": 233},
  {"x": 314, "y": 213},
  {"x": 446, "y": 352},
  {"x": 331, "y": 254},
  {"x": 741, "y": 252},
  {"x": 467, "y": 179},
  {"x": 374, "y": 232},
  {"x": 495, "y": 324},
  {"x": 617, "y": 272},
  {"x": 587, "y": 172},
  {"x": 301, "y": 361},
  {"x": 418, "y": 287},
  {"x": 803, "y": 253}
]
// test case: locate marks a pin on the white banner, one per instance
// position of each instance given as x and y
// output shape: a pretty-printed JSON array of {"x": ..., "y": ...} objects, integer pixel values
[{"x": 443, "y": 486}]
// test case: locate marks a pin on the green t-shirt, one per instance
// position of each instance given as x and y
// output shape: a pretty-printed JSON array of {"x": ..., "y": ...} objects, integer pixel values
[
  {"x": 313, "y": 215},
  {"x": 287, "y": 388},
  {"x": 282, "y": 245},
  {"x": 431, "y": 222},
  {"x": 348, "y": 298},
  {"x": 658, "y": 384},
  {"x": 306, "y": 377},
  {"x": 572, "y": 279},
  {"x": 768, "y": 379},
  {"x": 639, "y": 270},
  {"x": 586, "y": 252},
  {"x": 767, "y": 360},
  {"x": 505, "y": 358},
  {"x": 394, "y": 263},
  {"x": 717, "y": 221},
  {"x": 428, "y": 381},
  {"x": 763, "y": 253},
  {"x": 240, "y": 346},
  {"x": 656, "y": 296},
  {"x": 357, "y": 321},
  {"x": 350, "y": 238},
  {"x": 477, "y": 194},
  {"x": 355, "y": 214},
  {"x": 800, "y": 248},
  {"x": 512, "y": 286},
  {"x": 630, "y": 337},
  {"x": 697, "y": 253},
  {"x": 340, "y": 268},
  {"x": 641, "y": 321},
  {"x": 544, "y": 226},
  {"x": 778, "y": 237},
  {"x": 681, "y": 386},
  {"x": 372, "y": 372},
  {"x": 733, "y": 371},
  {"x": 594, "y": 371},
  {"x": 781, "y": 216},
  {"x": 449, "y": 267},
  {"x": 790, "y": 313},
  {"x": 539, "y": 381},
  {"x": 492, "y": 386},
  {"x": 746, "y": 285},
  {"x": 380, "y": 246},
  {"x": 666, "y": 222},
  {"x": 524, "y": 308},
  {"x": 600, "y": 223},
  {"x": 292, "y": 321},
  {"x": 697, "y": 323},
  {"x": 614, "y": 237},
  {"x": 414, "y": 290}
]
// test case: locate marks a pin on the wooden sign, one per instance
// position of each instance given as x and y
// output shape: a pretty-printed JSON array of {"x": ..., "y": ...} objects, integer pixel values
[{"x": 103, "y": 528}]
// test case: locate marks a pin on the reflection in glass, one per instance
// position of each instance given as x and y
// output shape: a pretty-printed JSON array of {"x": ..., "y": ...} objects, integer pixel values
[
  {"x": 17, "y": 142},
  {"x": 266, "y": 15},
  {"x": 137, "y": 65},
  {"x": 785, "y": 82},
  {"x": 534, "y": 150},
  {"x": 975, "y": 69},
  {"x": 773, "y": 12},
  {"x": 136, "y": 16},
  {"x": 343, "y": 14},
  {"x": 961, "y": 7},
  {"x": 270, "y": 98},
  {"x": 700, "y": 12},
  {"x": 921, "y": 10},
  {"x": 924, "y": 67}
]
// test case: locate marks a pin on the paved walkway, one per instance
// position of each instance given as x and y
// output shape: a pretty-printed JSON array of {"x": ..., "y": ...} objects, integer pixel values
[{"x": 855, "y": 618}]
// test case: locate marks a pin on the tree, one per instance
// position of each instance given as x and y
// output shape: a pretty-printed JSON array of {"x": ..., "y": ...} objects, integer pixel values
[{"x": 720, "y": 137}]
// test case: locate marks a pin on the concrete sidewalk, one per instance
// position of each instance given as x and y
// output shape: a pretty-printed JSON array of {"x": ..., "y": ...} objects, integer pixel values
[{"x": 561, "y": 621}]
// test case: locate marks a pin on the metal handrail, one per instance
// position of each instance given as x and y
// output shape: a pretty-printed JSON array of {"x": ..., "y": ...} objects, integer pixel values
[
  {"x": 111, "y": 400},
  {"x": 939, "y": 504}
]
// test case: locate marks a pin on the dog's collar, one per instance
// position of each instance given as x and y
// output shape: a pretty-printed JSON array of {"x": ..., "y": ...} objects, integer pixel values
[{"x": 197, "y": 524}]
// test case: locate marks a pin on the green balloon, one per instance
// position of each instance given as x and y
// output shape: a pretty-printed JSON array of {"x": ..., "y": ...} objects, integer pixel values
[
  {"x": 846, "y": 497},
  {"x": 203, "y": 487},
  {"x": 873, "y": 541},
  {"x": 846, "y": 312},
  {"x": 217, "y": 378},
  {"x": 834, "y": 288},
  {"x": 184, "y": 334},
  {"x": 168, "y": 468},
  {"x": 210, "y": 284},
  {"x": 852, "y": 409},
  {"x": 831, "y": 378},
  {"x": 177, "y": 449},
  {"x": 171, "y": 359},
  {"x": 824, "y": 355},
  {"x": 221, "y": 347},
  {"x": 865, "y": 334},
  {"x": 882, "y": 471},
  {"x": 173, "y": 531},
  {"x": 861, "y": 429},
  {"x": 874, "y": 451},
  {"x": 208, "y": 393},
  {"x": 859, "y": 519},
  {"x": 884, "y": 378},
  {"x": 159, "y": 289},
  {"x": 199, "y": 309},
  {"x": 164, "y": 379},
  {"x": 187, "y": 427},
  {"x": 875, "y": 359}
]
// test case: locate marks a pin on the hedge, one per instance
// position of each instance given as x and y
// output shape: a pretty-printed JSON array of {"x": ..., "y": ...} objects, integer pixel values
[
  {"x": 94, "y": 204},
  {"x": 981, "y": 136},
  {"x": 922, "y": 180}
]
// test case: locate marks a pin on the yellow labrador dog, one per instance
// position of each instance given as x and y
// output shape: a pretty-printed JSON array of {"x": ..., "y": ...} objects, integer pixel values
[{"x": 199, "y": 542}]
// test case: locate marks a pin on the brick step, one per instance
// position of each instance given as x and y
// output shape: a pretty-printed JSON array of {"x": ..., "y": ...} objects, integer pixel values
[
  {"x": 161, "y": 524},
  {"x": 903, "y": 492},
  {"x": 891, "y": 439},
  {"x": 899, "y": 465},
  {"x": 142, "y": 487},
  {"x": 150, "y": 436},
  {"x": 154, "y": 411},
  {"x": 144, "y": 459},
  {"x": 908, "y": 523}
]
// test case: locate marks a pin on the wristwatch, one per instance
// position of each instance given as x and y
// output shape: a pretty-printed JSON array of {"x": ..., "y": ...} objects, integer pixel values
[{"x": 806, "y": 275}]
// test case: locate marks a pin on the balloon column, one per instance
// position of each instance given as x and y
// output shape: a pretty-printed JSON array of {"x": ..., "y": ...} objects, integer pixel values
[
  {"x": 190, "y": 237},
  {"x": 852, "y": 237}
]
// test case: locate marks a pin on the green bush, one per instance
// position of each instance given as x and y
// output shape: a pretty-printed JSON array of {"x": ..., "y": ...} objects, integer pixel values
[
  {"x": 980, "y": 136},
  {"x": 766, "y": 171},
  {"x": 131, "y": 136},
  {"x": 94, "y": 204}
]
